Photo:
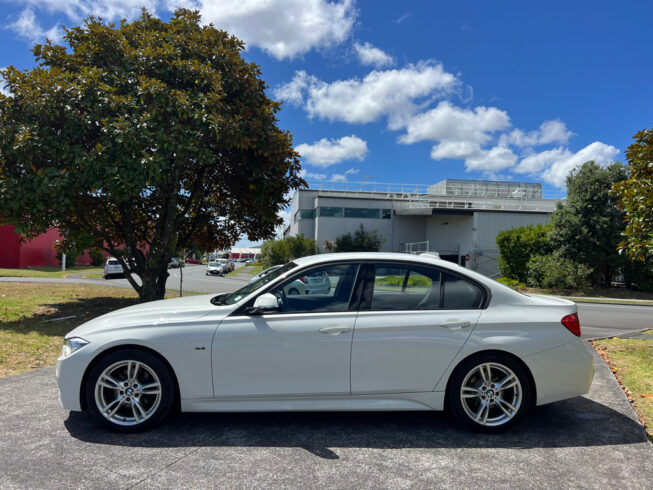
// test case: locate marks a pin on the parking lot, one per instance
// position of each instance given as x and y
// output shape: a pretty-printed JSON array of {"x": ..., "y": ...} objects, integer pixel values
[{"x": 587, "y": 442}]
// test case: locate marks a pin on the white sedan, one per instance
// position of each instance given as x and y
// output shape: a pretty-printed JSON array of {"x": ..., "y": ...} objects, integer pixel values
[{"x": 393, "y": 332}]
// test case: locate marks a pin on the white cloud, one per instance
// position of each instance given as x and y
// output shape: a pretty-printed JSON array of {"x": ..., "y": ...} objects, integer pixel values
[
  {"x": 305, "y": 174},
  {"x": 455, "y": 149},
  {"x": 327, "y": 152},
  {"x": 449, "y": 123},
  {"x": 387, "y": 93},
  {"x": 352, "y": 171},
  {"x": 539, "y": 161},
  {"x": 556, "y": 173},
  {"x": 27, "y": 27},
  {"x": 369, "y": 55},
  {"x": 284, "y": 28},
  {"x": 338, "y": 178},
  {"x": 492, "y": 160},
  {"x": 554, "y": 131}
]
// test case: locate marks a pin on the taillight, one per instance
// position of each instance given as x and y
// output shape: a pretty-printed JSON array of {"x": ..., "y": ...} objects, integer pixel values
[
  {"x": 303, "y": 279},
  {"x": 572, "y": 324}
]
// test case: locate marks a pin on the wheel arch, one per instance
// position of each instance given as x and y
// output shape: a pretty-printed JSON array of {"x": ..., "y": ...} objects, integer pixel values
[
  {"x": 116, "y": 348},
  {"x": 482, "y": 353}
]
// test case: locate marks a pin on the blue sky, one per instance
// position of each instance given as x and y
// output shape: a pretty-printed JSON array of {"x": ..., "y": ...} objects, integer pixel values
[{"x": 419, "y": 91}]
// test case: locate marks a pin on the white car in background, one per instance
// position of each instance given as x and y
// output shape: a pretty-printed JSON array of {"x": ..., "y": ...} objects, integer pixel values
[
  {"x": 112, "y": 268},
  {"x": 393, "y": 332},
  {"x": 215, "y": 268}
]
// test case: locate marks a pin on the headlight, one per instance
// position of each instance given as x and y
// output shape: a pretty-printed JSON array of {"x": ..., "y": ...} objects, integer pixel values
[{"x": 71, "y": 345}]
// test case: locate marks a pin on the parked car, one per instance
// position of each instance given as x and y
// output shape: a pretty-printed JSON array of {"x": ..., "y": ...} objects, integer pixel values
[
  {"x": 215, "y": 268},
  {"x": 429, "y": 334},
  {"x": 175, "y": 263},
  {"x": 192, "y": 261},
  {"x": 112, "y": 268}
]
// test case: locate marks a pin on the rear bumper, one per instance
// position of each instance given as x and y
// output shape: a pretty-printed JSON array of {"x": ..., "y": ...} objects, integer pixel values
[{"x": 562, "y": 372}]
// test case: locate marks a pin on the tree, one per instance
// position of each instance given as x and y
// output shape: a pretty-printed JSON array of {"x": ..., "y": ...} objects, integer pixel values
[
  {"x": 587, "y": 227},
  {"x": 518, "y": 245},
  {"x": 362, "y": 241},
  {"x": 636, "y": 198},
  {"x": 275, "y": 252},
  {"x": 143, "y": 139}
]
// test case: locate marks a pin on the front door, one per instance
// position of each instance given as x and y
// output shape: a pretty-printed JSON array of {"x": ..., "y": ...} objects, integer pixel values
[
  {"x": 302, "y": 350},
  {"x": 411, "y": 328}
]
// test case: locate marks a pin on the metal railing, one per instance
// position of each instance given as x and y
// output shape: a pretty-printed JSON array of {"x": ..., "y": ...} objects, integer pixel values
[{"x": 406, "y": 191}]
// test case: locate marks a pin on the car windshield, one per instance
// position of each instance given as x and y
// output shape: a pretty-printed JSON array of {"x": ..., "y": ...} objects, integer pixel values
[
  {"x": 214, "y": 264},
  {"x": 113, "y": 262},
  {"x": 230, "y": 299}
]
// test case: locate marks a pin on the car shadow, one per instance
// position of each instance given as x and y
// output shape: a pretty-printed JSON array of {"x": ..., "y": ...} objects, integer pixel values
[{"x": 572, "y": 423}]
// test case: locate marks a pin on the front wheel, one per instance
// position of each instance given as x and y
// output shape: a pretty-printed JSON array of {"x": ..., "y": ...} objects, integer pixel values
[
  {"x": 489, "y": 393},
  {"x": 130, "y": 390}
]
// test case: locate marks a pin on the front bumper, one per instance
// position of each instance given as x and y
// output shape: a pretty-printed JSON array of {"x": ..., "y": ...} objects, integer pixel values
[
  {"x": 214, "y": 272},
  {"x": 562, "y": 372},
  {"x": 69, "y": 373}
]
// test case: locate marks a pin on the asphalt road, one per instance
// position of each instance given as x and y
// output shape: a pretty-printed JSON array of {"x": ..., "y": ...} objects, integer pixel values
[{"x": 592, "y": 441}]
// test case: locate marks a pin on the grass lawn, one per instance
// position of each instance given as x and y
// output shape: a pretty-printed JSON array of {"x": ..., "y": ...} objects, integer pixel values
[
  {"x": 251, "y": 269},
  {"x": 631, "y": 360},
  {"x": 48, "y": 271}
]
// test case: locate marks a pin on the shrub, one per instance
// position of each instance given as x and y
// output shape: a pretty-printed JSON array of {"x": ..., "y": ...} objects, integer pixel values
[
  {"x": 556, "y": 272},
  {"x": 518, "y": 245},
  {"x": 274, "y": 252},
  {"x": 361, "y": 241},
  {"x": 511, "y": 283},
  {"x": 97, "y": 257}
]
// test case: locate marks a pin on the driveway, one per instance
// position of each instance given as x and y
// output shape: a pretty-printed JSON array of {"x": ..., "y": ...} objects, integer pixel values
[{"x": 589, "y": 442}]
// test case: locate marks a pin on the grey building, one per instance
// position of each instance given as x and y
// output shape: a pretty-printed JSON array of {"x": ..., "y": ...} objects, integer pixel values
[{"x": 459, "y": 219}]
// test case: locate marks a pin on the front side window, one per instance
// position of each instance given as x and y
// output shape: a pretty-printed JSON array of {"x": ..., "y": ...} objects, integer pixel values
[
  {"x": 401, "y": 287},
  {"x": 323, "y": 289}
]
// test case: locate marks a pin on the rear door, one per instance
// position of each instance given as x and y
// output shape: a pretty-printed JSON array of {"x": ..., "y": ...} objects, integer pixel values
[{"x": 412, "y": 322}]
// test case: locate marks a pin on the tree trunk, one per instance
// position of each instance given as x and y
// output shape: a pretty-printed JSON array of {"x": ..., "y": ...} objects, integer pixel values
[{"x": 153, "y": 284}]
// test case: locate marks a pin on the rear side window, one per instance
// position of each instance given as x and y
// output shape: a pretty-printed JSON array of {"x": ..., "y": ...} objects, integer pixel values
[
  {"x": 459, "y": 294},
  {"x": 405, "y": 288}
]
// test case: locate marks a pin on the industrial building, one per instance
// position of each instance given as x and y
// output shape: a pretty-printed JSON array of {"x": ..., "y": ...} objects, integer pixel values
[{"x": 457, "y": 218}]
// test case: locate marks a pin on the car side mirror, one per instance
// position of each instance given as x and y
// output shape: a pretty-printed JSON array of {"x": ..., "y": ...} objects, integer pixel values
[{"x": 265, "y": 303}]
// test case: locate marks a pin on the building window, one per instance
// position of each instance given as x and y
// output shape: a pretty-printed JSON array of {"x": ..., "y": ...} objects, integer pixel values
[
  {"x": 297, "y": 218},
  {"x": 308, "y": 214},
  {"x": 386, "y": 213},
  {"x": 362, "y": 213},
  {"x": 330, "y": 212}
]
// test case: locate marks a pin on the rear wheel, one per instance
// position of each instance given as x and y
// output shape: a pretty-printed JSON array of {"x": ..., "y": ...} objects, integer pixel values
[
  {"x": 293, "y": 292},
  {"x": 489, "y": 393},
  {"x": 130, "y": 390}
]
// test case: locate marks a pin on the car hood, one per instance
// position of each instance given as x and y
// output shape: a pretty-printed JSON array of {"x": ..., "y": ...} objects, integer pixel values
[{"x": 154, "y": 314}]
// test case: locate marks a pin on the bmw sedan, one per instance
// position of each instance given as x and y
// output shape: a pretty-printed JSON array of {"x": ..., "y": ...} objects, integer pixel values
[{"x": 392, "y": 332}]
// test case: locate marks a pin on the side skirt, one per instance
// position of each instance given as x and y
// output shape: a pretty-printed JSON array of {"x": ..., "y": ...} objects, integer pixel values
[{"x": 432, "y": 400}]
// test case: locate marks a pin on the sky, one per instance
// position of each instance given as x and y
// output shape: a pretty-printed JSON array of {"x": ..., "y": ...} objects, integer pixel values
[{"x": 416, "y": 92}]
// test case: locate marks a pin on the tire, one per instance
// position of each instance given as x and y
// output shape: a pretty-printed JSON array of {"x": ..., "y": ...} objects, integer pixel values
[
  {"x": 293, "y": 292},
  {"x": 134, "y": 402},
  {"x": 476, "y": 399}
]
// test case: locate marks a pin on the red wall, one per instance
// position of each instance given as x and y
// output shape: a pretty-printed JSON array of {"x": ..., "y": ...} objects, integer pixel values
[{"x": 34, "y": 253}]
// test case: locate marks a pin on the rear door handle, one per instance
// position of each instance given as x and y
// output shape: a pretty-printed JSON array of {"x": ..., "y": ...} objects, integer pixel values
[
  {"x": 455, "y": 324},
  {"x": 335, "y": 329}
]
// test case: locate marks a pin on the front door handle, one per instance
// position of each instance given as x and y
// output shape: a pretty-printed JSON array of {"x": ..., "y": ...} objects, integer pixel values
[
  {"x": 335, "y": 329},
  {"x": 455, "y": 324}
]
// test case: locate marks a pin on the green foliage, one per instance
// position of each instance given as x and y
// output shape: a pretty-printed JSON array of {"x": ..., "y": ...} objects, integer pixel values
[
  {"x": 97, "y": 257},
  {"x": 511, "y": 283},
  {"x": 587, "y": 227},
  {"x": 517, "y": 246},
  {"x": 557, "y": 272},
  {"x": 71, "y": 257},
  {"x": 149, "y": 136},
  {"x": 362, "y": 241},
  {"x": 274, "y": 252},
  {"x": 636, "y": 198}
]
